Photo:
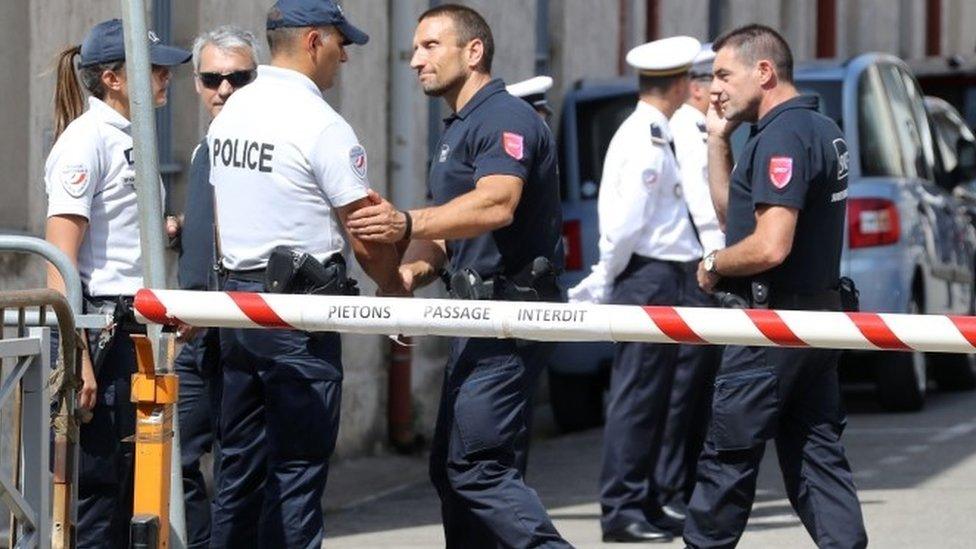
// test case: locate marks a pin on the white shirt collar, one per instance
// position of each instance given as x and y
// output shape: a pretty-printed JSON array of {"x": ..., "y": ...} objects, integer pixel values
[
  {"x": 107, "y": 114},
  {"x": 654, "y": 116},
  {"x": 280, "y": 74}
]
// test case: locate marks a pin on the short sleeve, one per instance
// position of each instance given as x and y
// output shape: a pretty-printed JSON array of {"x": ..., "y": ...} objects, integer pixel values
[
  {"x": 781, "y": 171},
  {"x": 339, "y": 164},
  {"x": 71, "y": 175},
  {"x": 505, "y": 145}
]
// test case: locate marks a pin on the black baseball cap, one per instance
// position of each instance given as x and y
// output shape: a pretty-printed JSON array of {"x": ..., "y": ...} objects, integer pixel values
[
  {"x": 313, "y": 13},
  {"x": 105, "y": 44}
]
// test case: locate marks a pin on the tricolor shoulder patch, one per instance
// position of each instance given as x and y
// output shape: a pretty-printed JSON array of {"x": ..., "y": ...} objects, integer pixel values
[
  {"x": 357, "y": 160},
  {"x": 75, "y": 179},
  {"x": 514, "y": 145},
  {"x": 780, "y": 171}
]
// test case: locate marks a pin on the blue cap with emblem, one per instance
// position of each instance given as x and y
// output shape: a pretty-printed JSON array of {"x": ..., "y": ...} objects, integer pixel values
[
  {"x": 105, "y": 44},
  {"x": 665, "y": 57},
  {"x": 313, "y": 13}
]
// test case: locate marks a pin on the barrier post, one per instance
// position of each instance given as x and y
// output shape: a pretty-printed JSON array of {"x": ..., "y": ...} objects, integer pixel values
[{"x": 155, "y": 396}]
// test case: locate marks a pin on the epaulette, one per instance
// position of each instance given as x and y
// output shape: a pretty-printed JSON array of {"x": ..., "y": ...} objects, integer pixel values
[{"x": 657, "y": 135}]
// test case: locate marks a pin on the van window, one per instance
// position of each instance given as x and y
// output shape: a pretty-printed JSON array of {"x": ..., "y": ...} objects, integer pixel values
[
  {"x": 926, "y": 131},
  {"x": 909, "y": 134},
  {"x": 597, "y": 121},
  {"x": 880, "y": 152}
]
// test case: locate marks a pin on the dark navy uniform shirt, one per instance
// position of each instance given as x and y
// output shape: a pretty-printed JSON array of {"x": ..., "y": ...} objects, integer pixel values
[
  {"x": 499, "y": 134},
  {"x": 197, "y": 241},
  {"x": 795, "y": 157}
]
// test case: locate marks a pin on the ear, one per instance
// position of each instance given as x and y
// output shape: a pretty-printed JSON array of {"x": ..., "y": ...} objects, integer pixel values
[
  {"x": 474, "y": 51},
  {"x": 112, "y": 80},
  {"x": 767, "y": 72},
  {"x": 311, "y": 40}
]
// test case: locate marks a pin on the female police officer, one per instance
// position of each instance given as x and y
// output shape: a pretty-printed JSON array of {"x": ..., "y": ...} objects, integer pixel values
[{"x": 93, "y": 218}]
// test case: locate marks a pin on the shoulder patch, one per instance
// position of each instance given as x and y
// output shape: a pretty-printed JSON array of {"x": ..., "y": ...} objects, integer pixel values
[
  {"x": 75, "y": 179},
  {"x": 843, "y": 158},
  {"x": 514, "y": 145},
  {"x": 657, "y": 135},
  {"x": 780, "y": 171},
  {"x": 357, "y": 160}
]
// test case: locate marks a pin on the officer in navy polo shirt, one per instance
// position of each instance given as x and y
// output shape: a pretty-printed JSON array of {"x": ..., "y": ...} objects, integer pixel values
[
  {"x": 496, "y": 215},
  {"x": 783, "y": 208}
]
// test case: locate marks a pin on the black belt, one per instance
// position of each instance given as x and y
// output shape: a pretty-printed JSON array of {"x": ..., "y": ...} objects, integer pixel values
[
  {"x": 121, "y": 309},
  {"x": 248, "y": 275},
  {"x": 826, "y": 300}
]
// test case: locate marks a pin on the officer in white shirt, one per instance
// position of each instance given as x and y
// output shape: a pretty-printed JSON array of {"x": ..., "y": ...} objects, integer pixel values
[
  {"x": 533, "y": 91},
  {"x": 646, "y": 240},
  {"x": 287, "y": 170},
  {"x": 93, "y": 218},
  {"x": 690, "y": 401}
]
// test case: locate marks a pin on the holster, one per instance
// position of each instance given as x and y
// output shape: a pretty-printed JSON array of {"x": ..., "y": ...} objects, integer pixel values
[
  {"x": 292, "y": 271},
  {"x": 123, "y": 323},
  {"x": 537, "y": 281}
]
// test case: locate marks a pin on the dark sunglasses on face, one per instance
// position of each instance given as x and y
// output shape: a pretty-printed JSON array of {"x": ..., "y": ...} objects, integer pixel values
[{"x": 237, "y": 79}]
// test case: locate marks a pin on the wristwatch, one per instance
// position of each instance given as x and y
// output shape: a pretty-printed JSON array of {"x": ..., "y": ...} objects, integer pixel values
[{"x": 709, "y": 262}]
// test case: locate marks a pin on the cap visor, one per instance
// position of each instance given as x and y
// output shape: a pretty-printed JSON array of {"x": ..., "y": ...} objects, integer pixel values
[
  {"x": 353, "y": 34},
  {"x": 168, "y": 56}
]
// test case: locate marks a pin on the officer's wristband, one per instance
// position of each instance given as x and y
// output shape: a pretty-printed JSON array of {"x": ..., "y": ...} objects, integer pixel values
[{"x": 408, "y": 225}]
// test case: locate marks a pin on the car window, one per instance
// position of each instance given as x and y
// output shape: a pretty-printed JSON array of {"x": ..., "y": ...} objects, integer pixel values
[
  {"x": 880, "y": 151},
  {"x": 829, "y": 94},
  {"x": 597, "y": 121},
  {"x": 909, "y": 135},
  {"x": 946, "y": 136},
  {"x": 926, "y": 131}
]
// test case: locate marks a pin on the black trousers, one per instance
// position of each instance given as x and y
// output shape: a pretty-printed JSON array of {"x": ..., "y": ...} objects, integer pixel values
[
  {"x": 199, "y": 371},
  {"x": 279, "y": 418},
  {"x": 640, "y": 388},
  {"x": 477, "y": 455},
  {"x": 690, "y": 405},
  {"x": 791, "y": 396}
]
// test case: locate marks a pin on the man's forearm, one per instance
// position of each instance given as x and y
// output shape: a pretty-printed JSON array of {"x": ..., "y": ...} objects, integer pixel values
[
  {"x": 750, "y": 256},
  {"x": 380, "y": 262},
  {"x": 424, "y": 259},
  {"x": 719, "y": 174},
  {"x": 467, "y": 216}
]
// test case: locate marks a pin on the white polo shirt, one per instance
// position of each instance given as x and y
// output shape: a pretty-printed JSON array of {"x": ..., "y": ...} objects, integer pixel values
[
  {"x": 691, "y": 148},
  {"x": 90, "y": 173},
  {"x": 282, "y": 160},
  {"x": 641, "y": 206}
]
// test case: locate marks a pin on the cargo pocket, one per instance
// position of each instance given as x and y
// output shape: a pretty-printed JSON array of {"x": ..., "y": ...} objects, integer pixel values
[
  {"x": 489, "y": 409},
  {"x": 745, "y": 409}
]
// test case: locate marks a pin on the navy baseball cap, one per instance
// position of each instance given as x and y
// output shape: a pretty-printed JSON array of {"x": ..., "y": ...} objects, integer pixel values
[
  {"x": 104, "y": 44},
  {"x": 313, "y": 13}
]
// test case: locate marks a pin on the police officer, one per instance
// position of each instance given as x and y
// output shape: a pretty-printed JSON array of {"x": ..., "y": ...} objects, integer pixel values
[
  {"x": 497, "y": 216},
  {"x": 287, "y": 170},
  {"x": 533, "y": 91},
  {"x": 684, "y": 431},
  {"x": 224, "y": 60},
  {"x": 783, "y": 207},
  {"x": 93, "y": 218},
  {"x": 646, "y": 240}
]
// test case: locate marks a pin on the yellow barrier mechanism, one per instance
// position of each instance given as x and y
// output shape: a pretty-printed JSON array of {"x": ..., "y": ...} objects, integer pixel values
[{"x": 155, "y": 397}]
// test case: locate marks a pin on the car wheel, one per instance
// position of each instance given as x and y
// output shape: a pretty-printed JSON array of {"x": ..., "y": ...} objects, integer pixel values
[
  {"x": 577, "y": 400},
  {"x": 954, "y": 371},
  {"x": 902, "y": 376}
]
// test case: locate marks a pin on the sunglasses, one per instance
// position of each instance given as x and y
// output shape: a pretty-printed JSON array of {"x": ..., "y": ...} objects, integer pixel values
[{"x": 237, "y": 79}]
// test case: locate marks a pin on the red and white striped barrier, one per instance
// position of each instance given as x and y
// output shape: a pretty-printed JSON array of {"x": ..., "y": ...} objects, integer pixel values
[{"x": 560, "y": 322}]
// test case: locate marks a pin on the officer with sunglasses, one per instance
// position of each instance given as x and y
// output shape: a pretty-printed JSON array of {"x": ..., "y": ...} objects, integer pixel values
[{"x": 224, "y": 60}]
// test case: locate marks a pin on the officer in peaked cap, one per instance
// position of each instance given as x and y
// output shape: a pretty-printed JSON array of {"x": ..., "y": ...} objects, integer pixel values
[
  {"x": 647, "y": 244},
  {"x": 691, "y": 392},
  {"x": 533, "y": 91},
  {"x": 281, "y": 389}
]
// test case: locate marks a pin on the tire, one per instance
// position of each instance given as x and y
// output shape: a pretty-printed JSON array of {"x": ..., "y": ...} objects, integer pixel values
[
  {"x": 953, "y": 371},
  {"x": 577, "y": 400},
  {"x": 902, "y": 377}
]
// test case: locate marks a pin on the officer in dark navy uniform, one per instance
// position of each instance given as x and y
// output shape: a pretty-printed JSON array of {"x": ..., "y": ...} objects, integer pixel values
[
  {"x": 784, "y": 216},
  {"x": 497, "y": 215}
]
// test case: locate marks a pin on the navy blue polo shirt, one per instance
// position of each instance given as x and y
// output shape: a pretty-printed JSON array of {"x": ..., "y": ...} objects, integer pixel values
[
  {"x": 797, "y": 158},
  {"x": 197, "y": 240},
  {"x": 499, "y": 134}
]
